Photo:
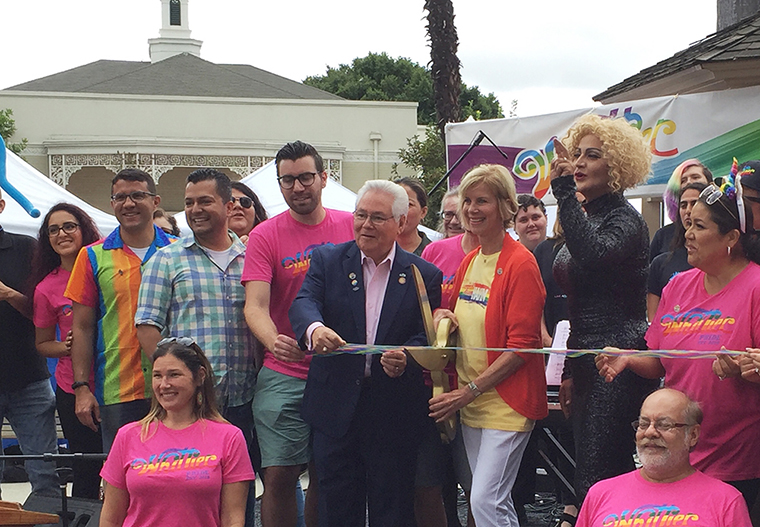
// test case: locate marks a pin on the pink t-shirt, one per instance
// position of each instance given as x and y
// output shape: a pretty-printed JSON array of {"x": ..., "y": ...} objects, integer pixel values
[
  {"x": 279, "y": 252},
  {"x": 51, "y": 308},
  {"x": 446, "y": 255},
  {"x": 690, "y": 319},
  {"x": 175, "y": 477},
  {"x": 695, "y": 501}
]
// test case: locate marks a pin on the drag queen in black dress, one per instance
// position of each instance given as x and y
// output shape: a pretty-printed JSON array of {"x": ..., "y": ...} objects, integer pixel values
[{"x": 603, "y": 270}]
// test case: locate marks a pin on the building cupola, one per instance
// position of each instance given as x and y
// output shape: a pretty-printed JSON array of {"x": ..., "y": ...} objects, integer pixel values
[{"x": 174, "y": 36}]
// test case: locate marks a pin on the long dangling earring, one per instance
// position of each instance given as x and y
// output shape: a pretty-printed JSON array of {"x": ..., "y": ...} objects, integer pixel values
[{"x": 199, "y": 398}]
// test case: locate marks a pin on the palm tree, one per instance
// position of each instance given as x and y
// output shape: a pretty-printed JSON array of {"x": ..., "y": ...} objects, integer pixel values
[{"x": 444, "y": 64}]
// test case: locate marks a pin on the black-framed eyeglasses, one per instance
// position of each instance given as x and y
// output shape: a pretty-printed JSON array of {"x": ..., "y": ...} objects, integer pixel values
[
  {"x": 68, "y": 227},
  {"x": 137, "y": 196},
  {"x": 661, "y": 425},
  {"x": 244, "y": 201},
  {"x": 305, "y": 178},
  {"x": 447, "y": 215},
  {"x": 375, "y": 219}
]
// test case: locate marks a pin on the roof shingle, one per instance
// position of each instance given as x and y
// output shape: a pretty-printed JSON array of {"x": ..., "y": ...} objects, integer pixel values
[
  {"x": 180, "y": 75},
  {"x": 738, "y": 42}
]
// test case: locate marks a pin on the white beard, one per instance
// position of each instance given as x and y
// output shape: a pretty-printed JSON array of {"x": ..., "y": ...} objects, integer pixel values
[{"x": 660, "y": 459}]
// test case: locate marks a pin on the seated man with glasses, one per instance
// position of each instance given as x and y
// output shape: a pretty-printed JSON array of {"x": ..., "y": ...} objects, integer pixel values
[{"x": 667, "y": 489}]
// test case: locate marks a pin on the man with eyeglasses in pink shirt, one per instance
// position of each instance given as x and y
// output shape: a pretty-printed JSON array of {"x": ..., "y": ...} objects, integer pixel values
[{"x": 277, "y": 258}]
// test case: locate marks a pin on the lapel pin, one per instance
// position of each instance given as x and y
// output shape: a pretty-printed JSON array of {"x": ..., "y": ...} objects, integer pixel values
[
  {"x": 677, "y": 308},
  {"x": 354, "y": 282},
  {"x": 499, "y": 270},
  {"x": 402, "y": 279},
  {"x": 352, "y": 275},
  {"x": 356, "y": 288}
]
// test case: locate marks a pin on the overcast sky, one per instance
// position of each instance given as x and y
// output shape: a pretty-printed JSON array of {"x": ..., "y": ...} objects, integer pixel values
[{"x": 549, "y": 55}]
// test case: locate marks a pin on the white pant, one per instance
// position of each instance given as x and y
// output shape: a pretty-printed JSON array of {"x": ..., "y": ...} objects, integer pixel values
[{"x": 495, "y": 457}]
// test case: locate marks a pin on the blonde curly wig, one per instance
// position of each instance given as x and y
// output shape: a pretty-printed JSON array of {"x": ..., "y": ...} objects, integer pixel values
[
  {"x": 627, "y": 154},
  {"x": 500, "y": 181}
]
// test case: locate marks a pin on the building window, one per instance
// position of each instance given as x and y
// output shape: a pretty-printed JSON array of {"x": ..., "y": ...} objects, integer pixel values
[{"x": 175, "y": 13}]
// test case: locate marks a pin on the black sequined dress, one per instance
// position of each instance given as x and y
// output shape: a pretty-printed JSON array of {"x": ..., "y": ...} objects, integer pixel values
[{"x": 603, "y": 270}]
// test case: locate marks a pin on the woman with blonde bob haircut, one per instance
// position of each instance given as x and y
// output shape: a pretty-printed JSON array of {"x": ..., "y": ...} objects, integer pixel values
[
  {"x": 497, "y": 301},
  {"x": 500, "y": 182},
  {"x": 603, "y": 269},
  {"x": 183, "y": 452}
]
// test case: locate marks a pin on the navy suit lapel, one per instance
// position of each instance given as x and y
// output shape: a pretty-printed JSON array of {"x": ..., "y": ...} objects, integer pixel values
[
  {"x": 354, "y": 280},
  {"x": 399, "y": 281}
]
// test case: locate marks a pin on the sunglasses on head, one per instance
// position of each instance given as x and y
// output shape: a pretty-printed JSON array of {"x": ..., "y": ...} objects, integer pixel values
[
  {"x": 183, "y": 341},
  {"x": 244, "y": 201}
]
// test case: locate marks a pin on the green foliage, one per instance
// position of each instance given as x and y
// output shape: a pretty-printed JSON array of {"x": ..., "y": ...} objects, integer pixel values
[
  {"x": 7, "y": 129},
  {"x": 427, "y": 157},
  {"x": 378, "y": 77}
]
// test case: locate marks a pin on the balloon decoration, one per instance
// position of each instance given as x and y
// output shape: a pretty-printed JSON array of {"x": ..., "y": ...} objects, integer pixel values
[{"x": 12, "y": 191}]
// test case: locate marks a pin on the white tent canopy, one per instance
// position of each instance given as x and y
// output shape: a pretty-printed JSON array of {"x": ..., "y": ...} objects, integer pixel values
[{"x": 43, "y": 193}]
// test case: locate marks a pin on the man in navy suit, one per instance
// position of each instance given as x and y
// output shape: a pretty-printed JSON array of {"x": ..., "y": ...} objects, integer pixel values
[{"x": 366, "y": 411}]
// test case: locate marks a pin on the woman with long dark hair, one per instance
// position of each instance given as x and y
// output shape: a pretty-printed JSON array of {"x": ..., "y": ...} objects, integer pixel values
[
  {"x": 65, "y": 230},
  {"x": 666, "y": 265}
]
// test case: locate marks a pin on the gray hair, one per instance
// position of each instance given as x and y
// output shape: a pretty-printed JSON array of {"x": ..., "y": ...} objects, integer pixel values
[
  {"x": 451, "y": 193},
  {"x": 400, "y": 205},
  {"x": 692, "y": 413}
]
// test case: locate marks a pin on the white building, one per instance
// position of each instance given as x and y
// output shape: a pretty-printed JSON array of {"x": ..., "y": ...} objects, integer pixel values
[{"x": 179, "y": 112}]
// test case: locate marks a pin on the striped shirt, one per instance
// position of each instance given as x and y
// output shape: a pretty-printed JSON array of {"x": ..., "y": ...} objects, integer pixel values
[
  {"x": 106, "y": 277},
  {"x": 184, "y": 293}
]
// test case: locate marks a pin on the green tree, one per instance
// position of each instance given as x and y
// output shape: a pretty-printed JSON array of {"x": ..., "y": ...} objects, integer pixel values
[
  {"x": 7, "y": 129},
  {"x": 427, "y": 158},
  {"x": 378, "y": 77}
]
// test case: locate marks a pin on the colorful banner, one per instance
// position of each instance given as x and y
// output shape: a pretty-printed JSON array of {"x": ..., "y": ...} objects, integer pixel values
[{"x": 713, "y": 127}]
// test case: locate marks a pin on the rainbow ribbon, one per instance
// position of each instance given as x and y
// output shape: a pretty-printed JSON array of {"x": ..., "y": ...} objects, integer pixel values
[{"x": 364, "y": 349}]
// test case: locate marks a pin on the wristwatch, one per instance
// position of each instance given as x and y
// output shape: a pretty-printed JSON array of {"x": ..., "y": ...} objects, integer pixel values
[
  {"x": 79, "y": 384},
  {"x": 474, "y": 389}
]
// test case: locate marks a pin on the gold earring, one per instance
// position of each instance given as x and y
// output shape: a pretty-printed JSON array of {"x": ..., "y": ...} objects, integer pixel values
[{"x": 199, "y": 398}]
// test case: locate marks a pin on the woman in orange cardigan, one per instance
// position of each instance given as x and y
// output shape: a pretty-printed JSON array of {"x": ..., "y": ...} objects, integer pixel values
[{"x": 499, "y": 304}]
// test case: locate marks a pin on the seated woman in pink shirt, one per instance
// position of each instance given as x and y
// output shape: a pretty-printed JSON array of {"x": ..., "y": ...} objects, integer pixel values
[
  {"x": 712, "y": 307},
  {"x": 183, "y": 464}
]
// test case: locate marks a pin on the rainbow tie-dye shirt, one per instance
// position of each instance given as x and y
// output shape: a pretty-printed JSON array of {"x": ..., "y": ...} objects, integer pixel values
[{"x": 106, "y": 277}]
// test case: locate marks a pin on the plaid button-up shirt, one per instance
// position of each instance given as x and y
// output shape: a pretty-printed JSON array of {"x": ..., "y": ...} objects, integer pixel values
[{"x": 184, "y": 293}]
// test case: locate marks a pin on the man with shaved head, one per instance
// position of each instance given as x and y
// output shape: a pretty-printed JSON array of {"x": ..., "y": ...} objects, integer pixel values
[{"x": 666, "y": 490}]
